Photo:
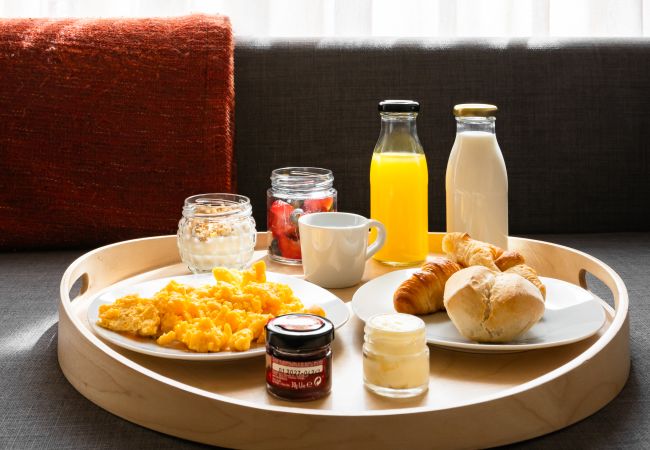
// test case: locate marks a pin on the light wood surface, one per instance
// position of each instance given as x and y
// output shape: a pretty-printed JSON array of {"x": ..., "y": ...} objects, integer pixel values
[{"x": 474, "y": 400}]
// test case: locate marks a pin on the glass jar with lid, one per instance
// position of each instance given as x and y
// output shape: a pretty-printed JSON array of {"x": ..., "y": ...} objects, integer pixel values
[
  {"x": 216, "y": 230},
  {"x": 299, "y": 356},
  {"x": 295, "y": 191},
  {"x": 395, "y": 355}
]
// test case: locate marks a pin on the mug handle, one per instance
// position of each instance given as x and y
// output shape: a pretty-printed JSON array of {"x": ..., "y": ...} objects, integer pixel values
[{"x": 381, "y": 238}]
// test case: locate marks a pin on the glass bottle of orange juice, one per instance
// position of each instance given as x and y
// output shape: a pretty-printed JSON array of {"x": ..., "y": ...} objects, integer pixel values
[{"x": 399, "y": 185}]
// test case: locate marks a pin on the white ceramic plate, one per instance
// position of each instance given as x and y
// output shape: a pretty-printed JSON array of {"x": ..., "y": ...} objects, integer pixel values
[
  {"x": 308, "y": 293},
  {"x": 572, "y": 314}
]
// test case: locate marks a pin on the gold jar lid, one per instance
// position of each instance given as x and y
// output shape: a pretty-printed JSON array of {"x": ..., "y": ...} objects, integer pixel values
[{"x": 474, "y": 110}]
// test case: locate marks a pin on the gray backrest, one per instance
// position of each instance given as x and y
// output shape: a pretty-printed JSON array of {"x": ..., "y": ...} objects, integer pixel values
[{"x": 574, "y": 120}]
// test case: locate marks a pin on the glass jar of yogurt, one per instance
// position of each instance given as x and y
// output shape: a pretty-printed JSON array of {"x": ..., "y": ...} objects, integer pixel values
[{"x": 216, "y": 230}]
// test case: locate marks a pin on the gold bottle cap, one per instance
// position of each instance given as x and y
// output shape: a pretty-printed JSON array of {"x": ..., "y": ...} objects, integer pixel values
[{"x": 474, "y": 110}]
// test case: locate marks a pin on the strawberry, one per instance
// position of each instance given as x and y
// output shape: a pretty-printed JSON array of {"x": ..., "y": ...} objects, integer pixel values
[
  {"x": 279, "y": 220},
  {"x": 289, "y": 248},
  {"x": 319, "y": 204}
]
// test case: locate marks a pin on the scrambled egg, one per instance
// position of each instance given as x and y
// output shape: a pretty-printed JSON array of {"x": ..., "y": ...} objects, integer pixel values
[{"x": 229, "y": 315}]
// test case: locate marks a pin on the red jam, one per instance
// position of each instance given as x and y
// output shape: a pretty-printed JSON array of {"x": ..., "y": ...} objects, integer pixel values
[{"x": 299, "y": 357}]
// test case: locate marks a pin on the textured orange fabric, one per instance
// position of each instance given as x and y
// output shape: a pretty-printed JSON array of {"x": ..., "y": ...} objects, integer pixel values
[{"x": 107, "y": 125}]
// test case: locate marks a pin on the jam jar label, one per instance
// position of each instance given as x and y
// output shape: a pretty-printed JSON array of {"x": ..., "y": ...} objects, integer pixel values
[{"x": 296, "y": 375}]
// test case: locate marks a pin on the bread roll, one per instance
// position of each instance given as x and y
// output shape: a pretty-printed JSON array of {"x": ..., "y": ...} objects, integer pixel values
[
  {"x": 422, "y": 293},
  {"x": 489, "y": 306}
]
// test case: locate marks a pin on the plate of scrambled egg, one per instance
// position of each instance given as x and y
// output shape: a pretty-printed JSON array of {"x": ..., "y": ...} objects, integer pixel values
[{"x": 214, "y": 316}]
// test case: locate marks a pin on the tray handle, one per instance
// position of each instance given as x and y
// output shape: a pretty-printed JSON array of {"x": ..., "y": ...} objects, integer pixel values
[
  {"x": 582, "y": 279},
  {"x": 608, "y": 279},
  {"x": 85, "y": 285},
  {"x": 71, "y": 290},
  {"x": 115, "y": 262}
]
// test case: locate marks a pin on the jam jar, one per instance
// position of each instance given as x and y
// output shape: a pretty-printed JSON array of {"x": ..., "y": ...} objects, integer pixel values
[
  {"x": 216, "y": 230},
  {"x": 295, "y": 191},
  {"x": 299, "y": 356}
]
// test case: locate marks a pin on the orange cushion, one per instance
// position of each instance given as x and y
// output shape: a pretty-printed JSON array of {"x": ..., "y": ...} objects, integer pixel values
[{"x": 107, "y": 125}]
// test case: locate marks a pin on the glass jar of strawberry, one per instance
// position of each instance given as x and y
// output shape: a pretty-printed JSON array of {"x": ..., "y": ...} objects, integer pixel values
[{"x": 295, "y": 191}]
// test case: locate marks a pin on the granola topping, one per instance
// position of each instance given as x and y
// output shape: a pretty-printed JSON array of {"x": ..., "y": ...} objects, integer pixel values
[{"x": 203, "y": 230}]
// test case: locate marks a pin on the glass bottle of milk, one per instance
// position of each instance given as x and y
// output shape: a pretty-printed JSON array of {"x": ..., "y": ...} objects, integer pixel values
[{"x": 476, "y": 181}]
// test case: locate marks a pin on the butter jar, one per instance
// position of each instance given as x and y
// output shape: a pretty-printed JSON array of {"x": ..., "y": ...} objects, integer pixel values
[
  {"x": 216, "y": 230},
  {"x": 395, "y": 356}
]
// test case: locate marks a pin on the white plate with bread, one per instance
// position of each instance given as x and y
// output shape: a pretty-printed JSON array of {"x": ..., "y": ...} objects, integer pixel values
[
  {"x": 572, "y": 314},
  {"x": 481, "y": 298}
]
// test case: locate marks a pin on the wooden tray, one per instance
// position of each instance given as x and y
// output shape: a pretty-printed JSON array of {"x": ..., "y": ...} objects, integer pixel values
[{"x": 474, "y": 400}]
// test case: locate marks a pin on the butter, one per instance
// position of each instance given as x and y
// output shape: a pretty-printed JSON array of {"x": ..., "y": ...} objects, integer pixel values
[{"x": 395, "y": 355}]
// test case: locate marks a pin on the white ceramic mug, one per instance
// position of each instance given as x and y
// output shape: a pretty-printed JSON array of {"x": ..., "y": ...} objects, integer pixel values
[{"x": 334, "y": 247}]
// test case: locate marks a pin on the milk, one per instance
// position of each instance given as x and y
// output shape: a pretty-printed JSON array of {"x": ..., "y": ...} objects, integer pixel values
[{"x": 477, "y": 187}]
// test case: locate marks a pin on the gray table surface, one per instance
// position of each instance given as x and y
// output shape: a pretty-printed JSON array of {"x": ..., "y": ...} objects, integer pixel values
[{"x": 40, "y": 409}]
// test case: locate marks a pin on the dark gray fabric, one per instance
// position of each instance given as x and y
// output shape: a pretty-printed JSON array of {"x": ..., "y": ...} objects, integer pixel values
[
  {"x": 574, "y": 120},
  {"x": 39, "y": 409}
]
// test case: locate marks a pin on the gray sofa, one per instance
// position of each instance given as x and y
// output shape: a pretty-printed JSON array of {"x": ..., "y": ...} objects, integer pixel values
[
  {"x": 573, "y": 126},
  {"x": 574, "y": 120}
]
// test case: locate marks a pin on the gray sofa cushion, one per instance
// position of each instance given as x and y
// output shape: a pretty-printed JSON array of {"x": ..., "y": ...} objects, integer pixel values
[{"x": 574, "y": 120}]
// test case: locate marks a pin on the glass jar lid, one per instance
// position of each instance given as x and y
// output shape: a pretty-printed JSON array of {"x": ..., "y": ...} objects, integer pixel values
[
  {"x": 299, "y": 332},
  {"x": 217, "y": 205},
  {"x": 475, "y": 110},
  {"x": 302, "y": 179}
]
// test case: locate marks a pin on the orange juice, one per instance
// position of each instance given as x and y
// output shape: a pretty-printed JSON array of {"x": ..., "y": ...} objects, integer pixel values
[{"x": 399, "y": 199}]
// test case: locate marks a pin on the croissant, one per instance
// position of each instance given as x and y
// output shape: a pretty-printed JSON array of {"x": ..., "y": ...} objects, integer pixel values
[
  {"x": 509, "y": 259},
  {"x": 468, "y": 252},
  {"x": 513, "y": 262},
  {"x": 530, "y": 274},
  {"x": 461, "y": 248},
  {"x": 423, "y": 292}
]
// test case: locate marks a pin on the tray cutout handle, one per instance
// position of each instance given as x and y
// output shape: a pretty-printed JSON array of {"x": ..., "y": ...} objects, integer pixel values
[
  {"x": 79, "y": 286},
  {"x": 600, "y": 287},
  {"x": 582, "y": 278}
]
